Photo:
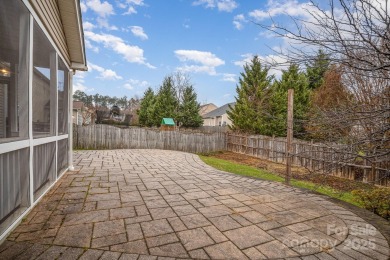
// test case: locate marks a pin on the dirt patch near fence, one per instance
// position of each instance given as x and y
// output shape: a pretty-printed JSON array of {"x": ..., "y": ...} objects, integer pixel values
[{"x": 299, "y": 173}]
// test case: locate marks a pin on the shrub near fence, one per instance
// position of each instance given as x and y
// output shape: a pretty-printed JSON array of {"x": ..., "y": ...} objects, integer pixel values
[
  {"x": 110, "y": 137},
  {"x": 318, "y": 157}
]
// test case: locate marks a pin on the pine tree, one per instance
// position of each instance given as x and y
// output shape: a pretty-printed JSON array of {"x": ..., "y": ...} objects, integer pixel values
[
  {"x": 251, "y": 109},
  {"x": 291, "y": 78},
  {"x": 189, "y": 109},
  {"x": 166, "y": 102},
  {"x": 315, "y": 69},
  {"x": 145, "y": 111}
]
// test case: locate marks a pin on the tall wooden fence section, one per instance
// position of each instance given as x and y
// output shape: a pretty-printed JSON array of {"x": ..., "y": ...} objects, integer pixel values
[
  {"x": 110, "y": 137},
  {"x": 316, "y": 157}
]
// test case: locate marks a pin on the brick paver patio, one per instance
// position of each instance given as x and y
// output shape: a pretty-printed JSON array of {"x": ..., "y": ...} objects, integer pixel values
[{"x": 149, "y": 204}]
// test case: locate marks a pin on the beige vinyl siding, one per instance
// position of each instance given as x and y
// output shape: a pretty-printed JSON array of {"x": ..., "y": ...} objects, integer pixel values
[{"x": 49, "y": 14}]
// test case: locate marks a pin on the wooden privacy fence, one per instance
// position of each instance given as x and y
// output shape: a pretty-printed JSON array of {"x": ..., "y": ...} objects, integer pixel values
[
  {"x": 317, "y": 157},
  {"x": 321, "y": 158},
  {"x": 110, "y": 137}
]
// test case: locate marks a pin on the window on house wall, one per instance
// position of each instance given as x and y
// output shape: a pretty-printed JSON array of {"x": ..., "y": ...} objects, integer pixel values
[
  {"x": 63, "y": 87},
  {"x": 14, "y": 48},
  {"x": 44, "y": 85}
]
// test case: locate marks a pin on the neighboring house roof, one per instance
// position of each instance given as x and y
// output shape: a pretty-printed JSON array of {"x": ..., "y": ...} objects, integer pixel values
[
  {"x": 167, "y": 121},
  {"x": 204, "y": 109},
  {"x": 78, "y": 105},
  {"x": 219, "y": 111}
]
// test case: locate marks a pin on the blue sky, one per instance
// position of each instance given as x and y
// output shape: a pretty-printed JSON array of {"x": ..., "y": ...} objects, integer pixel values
[{"x": 134, "y": 44}]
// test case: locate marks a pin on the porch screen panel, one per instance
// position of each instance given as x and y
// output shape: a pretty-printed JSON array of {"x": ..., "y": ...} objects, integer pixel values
[
  {"x": 14, "y": 186},
  {"x": 14, "y": 53},
  {"x": 62, "y": 156},
  {"x": 44, "y": 85},
  {"x": 63, "y": 87},
  {"x": 44, "y": 167}
]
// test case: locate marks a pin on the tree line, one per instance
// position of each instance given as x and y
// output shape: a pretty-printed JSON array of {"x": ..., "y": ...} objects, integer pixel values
[
  {"x": 261, "y": 100},
  {"x": 176, "y": 98},
  {"x": 348, "y": 100},
  {"x": 98, "y": 100}
]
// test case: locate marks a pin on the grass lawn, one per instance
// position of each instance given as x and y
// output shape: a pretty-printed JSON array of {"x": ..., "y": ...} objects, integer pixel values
[{"x": 245, "y": 170}]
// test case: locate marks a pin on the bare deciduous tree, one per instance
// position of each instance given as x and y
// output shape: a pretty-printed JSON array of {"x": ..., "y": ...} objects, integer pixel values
[{"x": 356, "y": 35}]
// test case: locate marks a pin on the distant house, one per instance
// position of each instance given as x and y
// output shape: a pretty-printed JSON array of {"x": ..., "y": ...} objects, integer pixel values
[
  {"x": 204, "y": 109},
  {"x": 82, "y": 115},
  {"x": 218, "y": 117},
  {"x": 78, "y": 108},
  {"x": 130, "y": 116}
]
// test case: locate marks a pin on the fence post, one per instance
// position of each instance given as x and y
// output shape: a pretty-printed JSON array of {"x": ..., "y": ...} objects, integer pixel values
[
  {"x": 227, "y": 140},
  {"x": 311, "y": 155},
  {"x": 290, "y": 116},
  {"x": 273, "y": 149}
]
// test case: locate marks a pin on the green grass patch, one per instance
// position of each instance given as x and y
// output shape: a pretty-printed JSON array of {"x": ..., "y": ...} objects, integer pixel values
[
  {"x": 250, "y": 171},
  {"x": 240, "y": 169}
]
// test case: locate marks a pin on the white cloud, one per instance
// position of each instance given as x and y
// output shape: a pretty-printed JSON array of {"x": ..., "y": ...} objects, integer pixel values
[
  {"x": 238, "y": 21},
  {"x": 83, "y": 7},
  {"x": 206, "y": 62},
  {"x": 135, "y": 83},
  {"x": 133, "y": 54},
  {"x": 80, "y": 86},
  {"x": 186, "y": 23},
  {"x": 287, "y": 7},
  {"x": 103, "y": 9},
  {"x": 121, "y": 5},
  {"x": 128, "y": 86},
  {"x": 226, "y": 5},
  {"x": 130, "y": 10},
  {"x": 136, "y": 2},
  {"x": 90, "y": 46},
  {"x": 222, "y": 5},
  {"x": 79, "y": 74},
  {"x": 197, "y": 69},
  {"x": 130, "y": 5},
  {"x": 138, "y": 31},
  {"x": 203, "y": 57},
  {"x": 246, "y": 58},
  {"x": 110, "y": 74},
  {"x": 229, "y": 77},
  {"x": 226, "y": 96},
  {"x": 207, "y": 3},
  {"x": 88, "y": 26},
  {"x": 275, "y": 62},
  {"x": 107, "y": 74},
  {"x": 103, "y": 23}
]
